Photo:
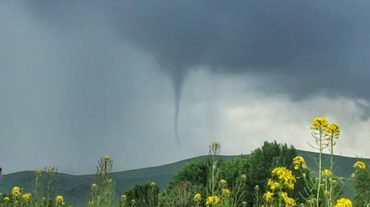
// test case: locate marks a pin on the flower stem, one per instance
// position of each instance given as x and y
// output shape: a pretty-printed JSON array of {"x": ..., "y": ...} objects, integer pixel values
[{"x": 320, "y": 160}]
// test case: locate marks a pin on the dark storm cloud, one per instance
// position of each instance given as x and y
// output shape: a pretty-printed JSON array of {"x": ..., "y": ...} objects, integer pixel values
[{"x": 304, "y": 46}]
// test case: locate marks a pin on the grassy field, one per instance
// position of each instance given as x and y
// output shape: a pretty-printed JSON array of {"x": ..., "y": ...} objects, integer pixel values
[{"x": 76, "y": 188}]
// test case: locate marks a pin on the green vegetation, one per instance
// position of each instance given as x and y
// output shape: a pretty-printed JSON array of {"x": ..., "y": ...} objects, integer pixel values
[
  {"x": 361, "y": 182},
  {"x": 274, "y": 175}
]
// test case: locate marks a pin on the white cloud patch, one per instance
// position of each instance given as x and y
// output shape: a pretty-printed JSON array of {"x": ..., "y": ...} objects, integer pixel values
[{"x": 243, "y": 117}]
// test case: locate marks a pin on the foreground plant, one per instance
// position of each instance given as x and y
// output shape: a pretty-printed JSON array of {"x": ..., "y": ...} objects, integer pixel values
[
  {"x": 361, "y": 183},
  {"x": 325, "y": 135},
  {"x": 343, "y": 202},
  {"x": 101, "y": 193},
  {"x": 17, "y": 198},
  {"x": 282, "y": 181},
  {"x": 318, "y": 127}
]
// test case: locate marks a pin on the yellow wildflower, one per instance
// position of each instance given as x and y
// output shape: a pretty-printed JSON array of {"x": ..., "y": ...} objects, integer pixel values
[
  {"x": 27, "y": 197},
  {"x": 52, "y": 170},
  {"x": 299, "y": 162},
  {"x": 106, "y": 158},
  {"x": 287, "y": 200},
  {"x": 359, "y": 165},
  {"x": 212, "y": 200},
  {"x": 59, "y": 199},
  {"x": 226, "y": 192},
  {"x": 268, "y": 196},
  {"x": 153, "y": 184},
  {"x": 6, "y": 198},
  {"x": 223, "y": 183},
  {"x": 326, "y": 172},
  {"x": 290, "y": 202},
  {"x": 319, "y": 123},
  {"x": 16, "y": 191},
  {"x": 94, "y": 187},
  {"x": 284, "y": 195},
  {"x": 273, "y": 185},
  {"x": 285, "y": 175},
  {"x": 333, "y": 130},
  {"x": 343, "y": 202},
  {"x": 197, "y": 197},
  {"x": 215, "y": 145},
  {"x": 311, "y": 201},
  {"x": 257, "y": 188}
]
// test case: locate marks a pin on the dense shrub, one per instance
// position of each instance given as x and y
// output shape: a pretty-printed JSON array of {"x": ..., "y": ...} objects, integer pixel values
[
  {"x": 361, "y": 183},
  {"x": 194, "y": 172},
  {"x": 145, "y": 195}
]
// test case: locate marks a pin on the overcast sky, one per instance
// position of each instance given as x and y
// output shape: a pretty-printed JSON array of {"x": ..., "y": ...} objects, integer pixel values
[{"x": 153, "y": 82}]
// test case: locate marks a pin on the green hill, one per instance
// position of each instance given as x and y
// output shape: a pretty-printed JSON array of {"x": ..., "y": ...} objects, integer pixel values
[{"x": 75, "y": 188}]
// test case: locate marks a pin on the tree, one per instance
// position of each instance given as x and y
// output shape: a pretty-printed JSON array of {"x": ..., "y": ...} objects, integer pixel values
[
  {"x": 194, "y": 172},
  {"x": 361, "y": 183},
  {"x": 262, "y": 161},
  {"x": 145, "y": 195}
]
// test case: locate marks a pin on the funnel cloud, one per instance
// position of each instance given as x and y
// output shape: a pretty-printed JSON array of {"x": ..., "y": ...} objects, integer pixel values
[{"x": 303, "y": 47}]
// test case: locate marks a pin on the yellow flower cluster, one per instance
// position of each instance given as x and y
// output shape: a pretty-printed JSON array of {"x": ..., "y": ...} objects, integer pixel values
[
  {"x": 273, "y": 185},
  {"x": 319, "y": 123},
  {"x": 94, "y": 187},
  {"x": 197, "y": 197},
  {"x": 359, "y": 165},
  {"x": 226, "y": 192},
  {"x": 268, "y": 196},
  {"x": 153, "y": 184},
  {"x": 333, "y": 130},
  {"x": 52, "y": 169},
  {"x": 290, "y": 202},
  {"x": 27, "y": 197},
  {"x": 311, "y": 201},
  {"x": 285, "y": 175},
  {"x": 329, "y": 130},
  {"x": 326, "y": 172},
  {"x": 212, "y": 200},
  {"x": 299, "y": 163},
  {"x": 59, "y": 199},
  {"x": 223, "y": 183},
  {"x": 106, "y": 158},
  {"x": 343, "y": 202},
  {"x": 16, "y": 191}
]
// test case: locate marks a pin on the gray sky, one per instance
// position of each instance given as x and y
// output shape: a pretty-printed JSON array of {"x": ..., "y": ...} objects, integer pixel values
[{"x": 80, "y": 79}]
